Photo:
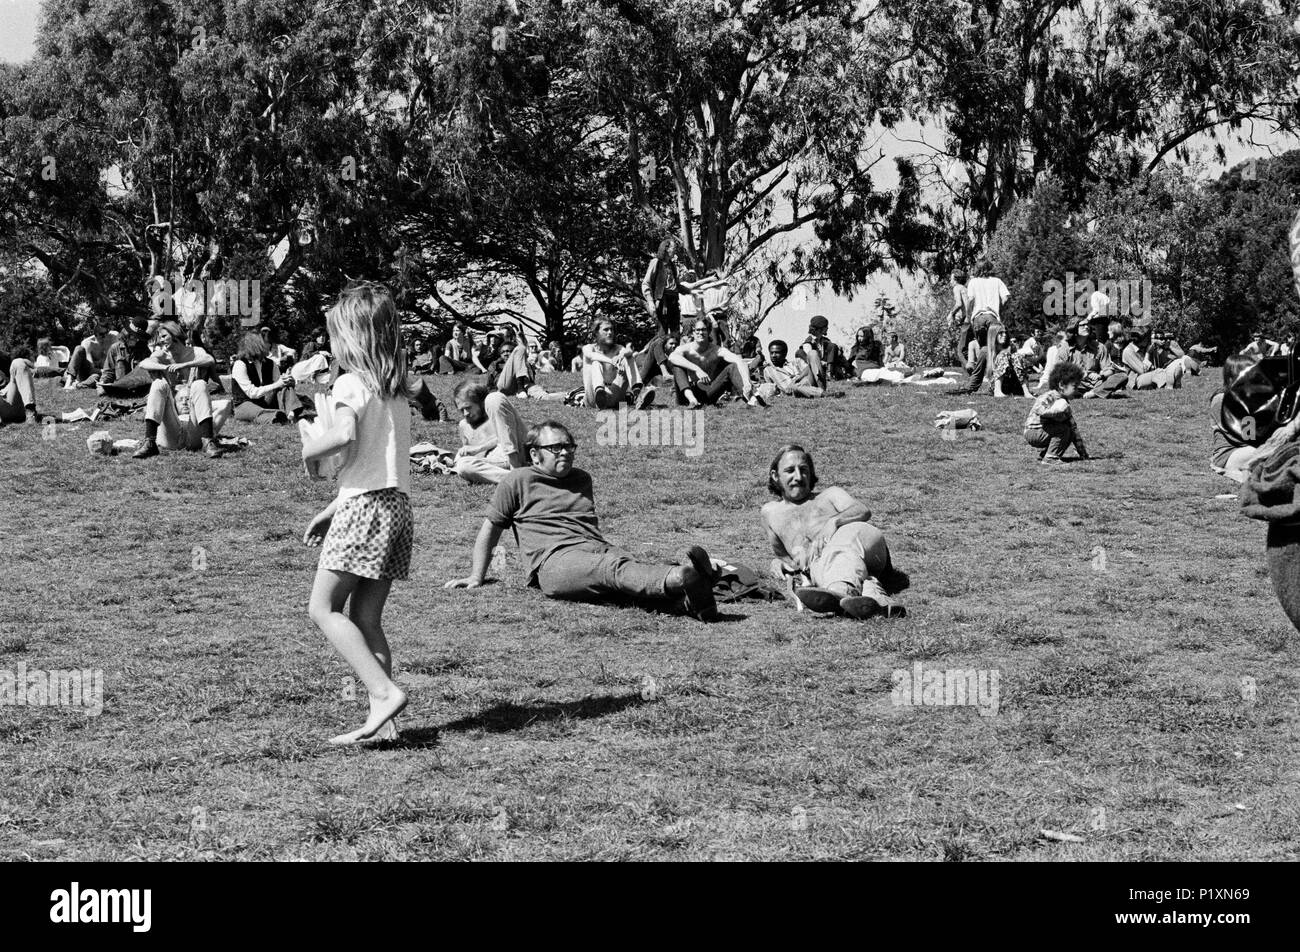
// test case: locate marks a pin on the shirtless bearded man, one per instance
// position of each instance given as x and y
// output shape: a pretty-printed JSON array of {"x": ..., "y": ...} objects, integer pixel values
[{"x": 826, "y": 537}]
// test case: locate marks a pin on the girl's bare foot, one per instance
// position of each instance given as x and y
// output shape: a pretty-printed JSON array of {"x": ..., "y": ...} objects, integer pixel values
[{"x": 382, "y": 711}]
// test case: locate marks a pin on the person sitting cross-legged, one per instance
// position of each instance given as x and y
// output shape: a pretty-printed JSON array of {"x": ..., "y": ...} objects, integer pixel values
[
  {"x": 492, "y": 433},
  {"x": 551, "y": 508},
  {"x": 826, "y": 537},
  {"x": 179, "y": 413},
  {"x": 793, "y": 378},
  {"x": 896, "y": 356}
]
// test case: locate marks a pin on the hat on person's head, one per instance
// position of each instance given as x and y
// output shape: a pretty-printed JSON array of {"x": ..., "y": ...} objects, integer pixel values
[
  {"x": 173, "y": 328},
  {"x": 264, "y": 329},
  {"x": 139, "y": 324},
  {"x": 818, "y": 323}
]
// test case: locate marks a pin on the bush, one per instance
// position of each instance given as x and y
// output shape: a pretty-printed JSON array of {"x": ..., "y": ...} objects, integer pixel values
[
  {"x": 1038, "y": 242},
  {"x": 29, "y": 309},
  {"x": 923, "y": 326}
]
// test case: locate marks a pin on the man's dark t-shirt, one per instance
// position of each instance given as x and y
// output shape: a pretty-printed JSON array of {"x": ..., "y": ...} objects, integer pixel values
[{"x": 548, "y": 512}]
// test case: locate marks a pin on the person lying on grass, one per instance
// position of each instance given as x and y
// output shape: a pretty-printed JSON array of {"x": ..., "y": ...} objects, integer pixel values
[
  {"x": 551, "y": 508},
  {"x": 367, "y": 531},
  {"x": 1050, "y": 425},
  {"x": 491, "y": 432},
  {"x": 828, "y": 538}
]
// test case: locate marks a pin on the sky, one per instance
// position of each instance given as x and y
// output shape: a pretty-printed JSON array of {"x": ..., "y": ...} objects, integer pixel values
[
  {"x": 18, "y": 29},
  {"x": 18, "y": 20}
]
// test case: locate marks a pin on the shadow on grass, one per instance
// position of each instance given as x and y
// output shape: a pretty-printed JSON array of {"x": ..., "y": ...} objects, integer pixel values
[{"x": 508, "y": 716}]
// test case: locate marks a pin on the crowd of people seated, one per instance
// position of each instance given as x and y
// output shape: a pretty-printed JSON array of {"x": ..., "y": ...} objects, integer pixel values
[{"x": 168, "y": 368}]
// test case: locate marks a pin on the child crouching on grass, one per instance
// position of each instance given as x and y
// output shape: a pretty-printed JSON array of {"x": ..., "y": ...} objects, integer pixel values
[
  {"x": 368, "y": 529},
  {"x": 1050, "y": 425}
]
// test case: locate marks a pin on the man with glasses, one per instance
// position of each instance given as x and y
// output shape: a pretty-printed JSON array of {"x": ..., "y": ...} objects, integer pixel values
[
  {"x": 551, "y": 508},
  {"x": 703, "y": 370}
]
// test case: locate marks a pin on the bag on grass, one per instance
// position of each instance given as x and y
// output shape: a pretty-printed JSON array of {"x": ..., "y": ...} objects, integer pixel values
[
  {"x": 733, "y": 581},
  {"x": 100, "y": 443}
]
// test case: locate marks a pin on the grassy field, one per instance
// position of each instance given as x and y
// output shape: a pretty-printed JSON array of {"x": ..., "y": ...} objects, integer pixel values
[{"x": 1122, "y": 718}]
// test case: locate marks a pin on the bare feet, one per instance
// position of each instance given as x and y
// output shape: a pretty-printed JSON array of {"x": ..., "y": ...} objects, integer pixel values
[{"x": 382, "y": 711}]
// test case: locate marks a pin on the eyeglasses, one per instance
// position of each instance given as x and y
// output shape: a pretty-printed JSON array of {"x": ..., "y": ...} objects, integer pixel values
[{"x": 558, "y": 448}]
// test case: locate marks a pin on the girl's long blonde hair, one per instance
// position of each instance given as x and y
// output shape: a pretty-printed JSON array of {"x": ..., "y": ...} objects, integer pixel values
[{"x": 367, "y": 339}]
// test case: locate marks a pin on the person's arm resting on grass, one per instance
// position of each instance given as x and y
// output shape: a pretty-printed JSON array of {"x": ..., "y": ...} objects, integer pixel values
[
  {"x": 484, "y": 545},
  {"x": 500, "y": 516}
]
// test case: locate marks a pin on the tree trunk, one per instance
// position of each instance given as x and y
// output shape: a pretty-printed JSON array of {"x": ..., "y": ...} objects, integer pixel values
[{"x": 554, "y": 312}]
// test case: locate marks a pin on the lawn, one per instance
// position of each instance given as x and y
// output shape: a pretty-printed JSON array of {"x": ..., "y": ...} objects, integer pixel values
[{"x": 1148, "y": 678}]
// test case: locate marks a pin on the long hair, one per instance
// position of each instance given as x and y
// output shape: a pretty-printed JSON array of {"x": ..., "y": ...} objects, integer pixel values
[
  {"x": 471, "y": 390},
  {"x": 665, "y": 248},
  {"x": 252, "y": 347},
  {"x": 367, "y": 339},
  {"x": 773, "y": 484}
]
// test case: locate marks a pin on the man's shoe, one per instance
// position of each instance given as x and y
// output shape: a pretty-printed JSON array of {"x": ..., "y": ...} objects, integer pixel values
[
  {"x": 147, "y": 448},
  {"x": 212, "y": 450},
  {"x": 698, "y": 599},
  {"x": 697, "y": 558},
  {"x": 866, "y": 606},
  {"x": 859, "y": 606},
  {"x": 757, "y": 400},
  {"x": 820, "y": 600},
  {"x": 645, "y": 397}
]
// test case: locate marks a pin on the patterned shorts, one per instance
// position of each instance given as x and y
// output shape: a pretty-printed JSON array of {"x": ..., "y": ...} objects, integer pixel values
[{"x": 371, "y": 536}]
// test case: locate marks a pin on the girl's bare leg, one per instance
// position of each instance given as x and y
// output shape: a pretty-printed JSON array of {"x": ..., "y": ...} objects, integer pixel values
[
  {"x": 328, "y": 596},
  {"x": 367, "y": 611}
]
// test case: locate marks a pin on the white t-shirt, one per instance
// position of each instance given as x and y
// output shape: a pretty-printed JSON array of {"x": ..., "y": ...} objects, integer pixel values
[
  {"x": 380, "y": 457},
  {"x": 987, "y": 294},
  {"x": 502, "y": 424}
]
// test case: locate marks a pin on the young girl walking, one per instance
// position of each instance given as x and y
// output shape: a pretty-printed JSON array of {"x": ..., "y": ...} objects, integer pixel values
[{"x": 367, "y": 530}]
